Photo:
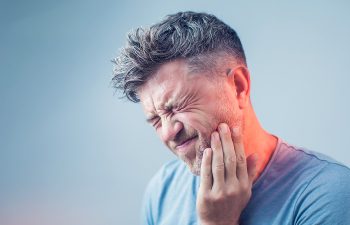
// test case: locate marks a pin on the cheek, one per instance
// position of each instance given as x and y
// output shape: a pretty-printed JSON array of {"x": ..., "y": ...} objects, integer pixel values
[{"x": 200, "y": 121}]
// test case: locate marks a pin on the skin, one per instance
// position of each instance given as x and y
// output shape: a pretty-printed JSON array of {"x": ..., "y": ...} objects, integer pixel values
[{"x": 195, "y": 112}]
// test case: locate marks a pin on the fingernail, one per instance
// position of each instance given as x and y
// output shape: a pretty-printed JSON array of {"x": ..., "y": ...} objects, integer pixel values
[
  {"x": 223, "y": 127},
  {"x": 207, "y": 152},
  {"x": 214, "y": 135},
  {"x": 235, "y": 131}
]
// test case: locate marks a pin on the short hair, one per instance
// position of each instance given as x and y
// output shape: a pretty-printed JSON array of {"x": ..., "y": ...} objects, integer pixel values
[{"x": 184, "y": 35}]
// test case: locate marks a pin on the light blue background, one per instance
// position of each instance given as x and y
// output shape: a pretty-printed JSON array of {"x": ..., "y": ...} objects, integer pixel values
[{"x": 73, "y": 153}]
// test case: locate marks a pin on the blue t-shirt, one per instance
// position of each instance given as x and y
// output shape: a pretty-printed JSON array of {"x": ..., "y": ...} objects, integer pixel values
[{"x": 297, "y": 186}]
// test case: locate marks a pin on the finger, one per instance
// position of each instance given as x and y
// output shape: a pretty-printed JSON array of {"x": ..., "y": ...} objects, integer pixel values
[
  {"x": 229, "y": 152},
  {"x": 242, "y": 173},
  {"x": 206, "y": 174},
  {"x": 218, "y": 166},
  {"x": 251, "y": 167}
]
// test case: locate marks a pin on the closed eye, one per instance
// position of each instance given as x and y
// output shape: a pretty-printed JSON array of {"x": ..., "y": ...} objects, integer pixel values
[{"x": 153, "y": 120}]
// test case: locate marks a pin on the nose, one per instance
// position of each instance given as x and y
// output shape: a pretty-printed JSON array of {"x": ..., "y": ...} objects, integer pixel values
[{"x": 170, "y": 128}]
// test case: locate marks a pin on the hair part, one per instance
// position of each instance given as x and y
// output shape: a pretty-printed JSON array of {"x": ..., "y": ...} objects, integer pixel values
[{"x": 199, "y": 38}]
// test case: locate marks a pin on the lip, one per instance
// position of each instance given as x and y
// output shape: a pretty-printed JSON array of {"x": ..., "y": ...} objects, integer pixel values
[{"x": 185, "y": 145}]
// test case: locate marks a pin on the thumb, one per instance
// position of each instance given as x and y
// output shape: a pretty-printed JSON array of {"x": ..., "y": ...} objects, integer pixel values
[{"x": 251, "y": 166}]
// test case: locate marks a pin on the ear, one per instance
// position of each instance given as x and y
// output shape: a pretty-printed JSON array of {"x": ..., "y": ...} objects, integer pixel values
[{"x": 240, "y": 77}]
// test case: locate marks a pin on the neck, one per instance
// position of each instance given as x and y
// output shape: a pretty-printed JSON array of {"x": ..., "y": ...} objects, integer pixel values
[{"x": 257, "y": 140}]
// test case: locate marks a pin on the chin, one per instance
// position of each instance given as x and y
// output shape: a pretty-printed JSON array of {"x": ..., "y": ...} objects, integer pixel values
[
  {"x": 194, "y": 166},
  {"x": 193, "y": 158},
  {"x": 196, "y": 171}
]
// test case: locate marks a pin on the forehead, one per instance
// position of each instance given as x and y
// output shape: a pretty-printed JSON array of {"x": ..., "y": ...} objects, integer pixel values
[{"x": 168, "y": 84}]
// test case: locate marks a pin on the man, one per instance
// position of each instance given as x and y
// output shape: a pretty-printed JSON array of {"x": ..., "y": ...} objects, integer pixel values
[{"x": 190, "y": 74}]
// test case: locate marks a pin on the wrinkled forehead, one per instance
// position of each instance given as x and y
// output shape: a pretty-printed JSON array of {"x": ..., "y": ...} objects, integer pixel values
[{"x": 170, "y": 84}]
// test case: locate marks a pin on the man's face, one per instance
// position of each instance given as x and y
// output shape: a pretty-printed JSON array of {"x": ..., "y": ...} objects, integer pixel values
[{"x": 186, "y": 107}]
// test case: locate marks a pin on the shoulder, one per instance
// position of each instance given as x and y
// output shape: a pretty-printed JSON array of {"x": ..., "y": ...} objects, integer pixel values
[
  {"x": 320, "y": 170},
  {"x": 154, "y": 193},
  {"x": 307, "y": 162},
  {"x": 326, "y": 198},
  {"x": 167, "y": 173},
  {"x": 332, "y": 177},
  {"x": 162, "y": 191},
  {"x": 325, "y": 194},
  {"x": 171, "y": 173}
]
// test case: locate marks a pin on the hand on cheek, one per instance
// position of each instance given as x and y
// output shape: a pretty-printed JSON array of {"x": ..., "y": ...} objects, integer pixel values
[{"x": 226, "y": 178}]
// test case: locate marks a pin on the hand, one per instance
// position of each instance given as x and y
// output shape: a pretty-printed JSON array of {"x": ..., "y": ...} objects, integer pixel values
[{"x": 226, "y": 178}]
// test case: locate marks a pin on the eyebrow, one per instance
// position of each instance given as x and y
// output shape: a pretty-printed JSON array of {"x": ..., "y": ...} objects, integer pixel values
[
  {"x": 149, "y": 119},
  {"x": 167, "y": 107}
]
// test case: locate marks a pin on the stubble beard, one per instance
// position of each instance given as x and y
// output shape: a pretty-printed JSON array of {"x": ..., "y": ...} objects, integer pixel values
[
  {"x": 204, "y": 143},
  {"x": 193, "y": 159}
]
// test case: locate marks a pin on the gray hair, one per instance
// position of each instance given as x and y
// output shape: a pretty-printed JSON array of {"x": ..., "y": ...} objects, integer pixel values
[{"x": 195, "y": 37}]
